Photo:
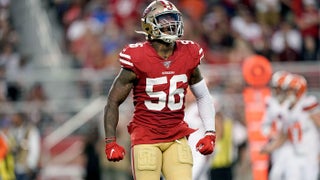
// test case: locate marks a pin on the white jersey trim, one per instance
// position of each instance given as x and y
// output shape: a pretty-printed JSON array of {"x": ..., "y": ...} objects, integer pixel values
[
  {"x": 126, "y": 62},
  {"x": 126, "y": 56}
]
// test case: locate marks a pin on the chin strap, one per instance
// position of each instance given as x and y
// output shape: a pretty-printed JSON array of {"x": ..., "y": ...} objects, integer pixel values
[{"x": 141, "y": 32}]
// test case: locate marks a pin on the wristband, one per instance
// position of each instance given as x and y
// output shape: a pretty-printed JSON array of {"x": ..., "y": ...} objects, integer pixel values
[
  {"x": 210, "y": 133},
  {"x": 109, "y": 139}
]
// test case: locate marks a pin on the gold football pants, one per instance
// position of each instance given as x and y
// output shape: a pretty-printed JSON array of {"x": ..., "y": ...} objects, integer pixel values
[{"x": 172, "y": 159}]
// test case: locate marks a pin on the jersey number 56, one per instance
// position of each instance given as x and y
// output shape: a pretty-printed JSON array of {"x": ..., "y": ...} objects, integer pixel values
[{"x": 163, "y": 98}]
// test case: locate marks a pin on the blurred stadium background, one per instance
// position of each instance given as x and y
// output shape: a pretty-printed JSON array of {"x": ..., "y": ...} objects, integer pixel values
[{"x": 58, "y": 59}]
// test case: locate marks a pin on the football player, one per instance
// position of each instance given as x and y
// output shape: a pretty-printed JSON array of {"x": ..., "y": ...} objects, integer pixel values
[
  {"x": 273, "y": 121},
  {"x": 159, "y": 71},
  {"x": 301, "y": 130}
]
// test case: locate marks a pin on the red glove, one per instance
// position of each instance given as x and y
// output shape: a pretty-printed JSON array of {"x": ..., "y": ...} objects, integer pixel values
[
  {"x": 114, "y": 152},
  {"x": 206, "y": 145}
]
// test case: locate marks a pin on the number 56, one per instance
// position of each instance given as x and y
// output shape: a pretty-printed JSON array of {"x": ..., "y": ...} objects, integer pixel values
[{"x": 162, "y": 96}]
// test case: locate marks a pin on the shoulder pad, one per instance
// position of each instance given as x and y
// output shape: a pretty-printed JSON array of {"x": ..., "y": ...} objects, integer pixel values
[
  {"x": 194, "y": 49},
  {"x": 310, "y": 103}
]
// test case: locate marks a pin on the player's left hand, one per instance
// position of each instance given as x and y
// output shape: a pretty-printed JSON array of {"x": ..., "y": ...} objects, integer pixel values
[{"x": 206, "y": 145}]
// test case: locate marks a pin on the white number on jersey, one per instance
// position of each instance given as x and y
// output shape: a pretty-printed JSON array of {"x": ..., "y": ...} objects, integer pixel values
[
  {"x": 162, "y": 96},
  {"x": 135, "y": 45}
]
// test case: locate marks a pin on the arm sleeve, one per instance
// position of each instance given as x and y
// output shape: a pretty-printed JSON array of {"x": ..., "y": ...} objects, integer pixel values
[
  {"x": 266, "y": 121},
  {"x": 205, "y": 105}
]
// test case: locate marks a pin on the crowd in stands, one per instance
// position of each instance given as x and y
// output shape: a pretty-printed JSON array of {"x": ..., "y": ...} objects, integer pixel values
[
  {"x": 229, "y": 31},
  {"x": 20, "y": 138}
]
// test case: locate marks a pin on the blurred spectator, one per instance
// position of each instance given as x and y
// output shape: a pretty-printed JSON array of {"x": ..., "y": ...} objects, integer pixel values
[
  {"x": 7, "y": 33},
  {"x": 286, "y": 43},
  {"x": 39, "y": 110},
  {"x": 10, "y": 59},
  {"x": 76, "y": 39},
  {"x": 232, "y": 5},
  {"x": 125, "y": 11},
  {"x": 245, "y": 26},
  {"x": 85, "y": 43},
  {"x": 112, "y": 40},
  {"x": 37, "y": 95},
  {"x": 75, "y": 11},
  {"x": 5, "y": 3},
  {"x": 14, "y": 92},
  {"x": 242, "y": 169},
  {"x": 6, "y": 157},
  {"x": 221, "y": 165},
  {"x": 268, "y": 12},
  {"x": 216, "y": 25},
  {"x": 194, "y": 9},
  {"x": 310, "y": 50},
  {"x": 240, "y": 50},
  {"x": 60, "y": 7},
  {"x": 286, "y": 12},
  {"x": 95, "y": 58},
  {"x": 92, "y": 165},
  {"x": 27, "y": 147},
  {"x": 308, "y": 24},
  {"x": 264, "y": 46},
  {"x": 3, "y": 84},
  {"x": 100, "y": 10}
]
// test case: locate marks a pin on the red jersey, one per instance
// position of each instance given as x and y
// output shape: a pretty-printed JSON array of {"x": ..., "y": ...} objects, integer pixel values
[{"x": 160, "y": 89}]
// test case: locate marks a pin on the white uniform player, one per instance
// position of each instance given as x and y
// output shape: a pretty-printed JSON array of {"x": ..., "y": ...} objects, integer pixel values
[
  {"x": 273, "y": 122},
  {"x": 272, "y": 128},
  {"x": 303, "y": 132}
]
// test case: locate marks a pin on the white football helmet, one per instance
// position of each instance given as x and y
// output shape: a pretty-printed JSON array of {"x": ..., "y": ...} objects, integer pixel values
[
  {"x": 278, "y": 78},
  {"x": 297, "y": 83},
  {"x": 276, "y": 83},
  {"x": 162, "y": 20}
]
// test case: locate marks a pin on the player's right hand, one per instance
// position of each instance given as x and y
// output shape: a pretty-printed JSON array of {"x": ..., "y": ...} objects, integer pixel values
[{"x": 114, "y": 152}]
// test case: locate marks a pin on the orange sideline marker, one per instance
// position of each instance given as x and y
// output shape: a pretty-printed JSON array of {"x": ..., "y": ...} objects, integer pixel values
[{"x": 257, "y": 72}]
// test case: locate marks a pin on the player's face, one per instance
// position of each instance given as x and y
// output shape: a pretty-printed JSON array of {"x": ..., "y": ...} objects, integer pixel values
[
  {"x": 168, "y": 23},
  {"x": 279, "y": 94},
  {"x": 276, "y": 90},
  {"x": 291, "y": 95}
]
